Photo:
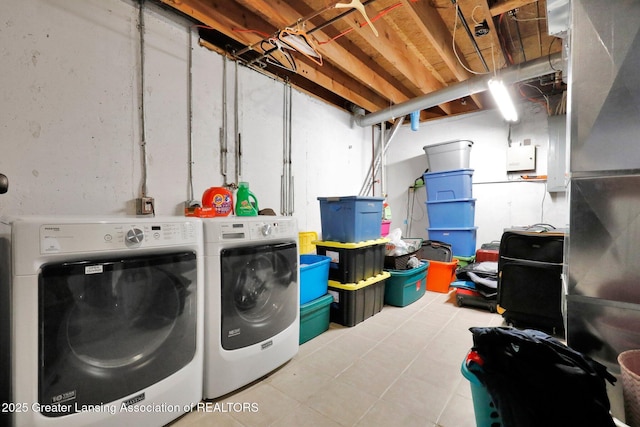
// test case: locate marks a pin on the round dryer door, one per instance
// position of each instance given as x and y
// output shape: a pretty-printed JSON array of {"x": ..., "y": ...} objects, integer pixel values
[{"x": 259, "y": 293}]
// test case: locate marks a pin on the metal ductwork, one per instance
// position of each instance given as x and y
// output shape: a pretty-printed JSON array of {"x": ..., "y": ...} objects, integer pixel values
[{"x": 525, "y": 71}]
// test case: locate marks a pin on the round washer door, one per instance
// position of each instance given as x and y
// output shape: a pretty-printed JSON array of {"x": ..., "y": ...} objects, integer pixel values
[{"x": 114, "y": 327}]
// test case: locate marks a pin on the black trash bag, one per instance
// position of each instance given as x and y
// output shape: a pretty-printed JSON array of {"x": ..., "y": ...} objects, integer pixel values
[{"x": 534, "y": 380}]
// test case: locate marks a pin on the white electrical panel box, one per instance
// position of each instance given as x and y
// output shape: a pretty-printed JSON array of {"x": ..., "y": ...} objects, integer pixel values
[{"x": 521, "y": 158}]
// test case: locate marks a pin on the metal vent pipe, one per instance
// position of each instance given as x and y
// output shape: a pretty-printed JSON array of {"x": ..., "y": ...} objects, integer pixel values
[{"x": 517, "y": 73}]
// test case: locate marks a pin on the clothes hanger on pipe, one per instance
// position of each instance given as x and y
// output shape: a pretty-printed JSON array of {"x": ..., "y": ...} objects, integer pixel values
[
  {"x": 298, "y": 40},
  {"x": 276, "y": 53},
  {"x": 356, "y": 4}
]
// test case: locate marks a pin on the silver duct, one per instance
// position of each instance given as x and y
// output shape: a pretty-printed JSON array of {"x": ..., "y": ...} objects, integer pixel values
[{"x": 517, "y": 73}]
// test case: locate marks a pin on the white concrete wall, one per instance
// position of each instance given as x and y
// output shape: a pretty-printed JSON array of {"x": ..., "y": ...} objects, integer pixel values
[
  {"x": 502, "y": 199},
  {"x": 71, "y": 130}
]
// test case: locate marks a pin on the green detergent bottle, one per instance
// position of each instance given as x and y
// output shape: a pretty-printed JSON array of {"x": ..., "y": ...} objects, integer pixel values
[{"x": 246, "y": 202}]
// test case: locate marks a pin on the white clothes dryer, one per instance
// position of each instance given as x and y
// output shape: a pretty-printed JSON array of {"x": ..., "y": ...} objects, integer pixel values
[
  {"x": 252, "y": 307},
  {"x": 104, "y": 317}
]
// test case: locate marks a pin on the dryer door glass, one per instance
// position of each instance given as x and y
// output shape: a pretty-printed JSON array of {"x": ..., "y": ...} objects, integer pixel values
[
  {"x": 113, "y": 327},
  {"x": 259, "y": 292}
]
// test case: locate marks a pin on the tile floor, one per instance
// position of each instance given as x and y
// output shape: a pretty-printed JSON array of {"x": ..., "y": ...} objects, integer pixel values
[{"x": 400, "y": 367}]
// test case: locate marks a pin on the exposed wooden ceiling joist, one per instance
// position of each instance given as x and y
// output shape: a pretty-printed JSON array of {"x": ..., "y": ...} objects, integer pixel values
[{"x": 414, "y": 53}]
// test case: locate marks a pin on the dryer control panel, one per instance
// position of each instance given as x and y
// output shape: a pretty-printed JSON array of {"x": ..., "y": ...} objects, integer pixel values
[
  {"x": 262, "y": 229},
  {"x": 70, "y": 238}
]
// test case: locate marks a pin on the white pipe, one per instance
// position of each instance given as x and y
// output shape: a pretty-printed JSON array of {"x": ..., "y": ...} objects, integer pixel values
[
  {"x": 517, "y": 73},
  {"x": 368, "y": 184}
]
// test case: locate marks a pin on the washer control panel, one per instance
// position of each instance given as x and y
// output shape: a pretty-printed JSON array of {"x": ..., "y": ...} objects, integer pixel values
[
  {"x": 70, "y": 238},
  {"x": 267, "y": 229}
]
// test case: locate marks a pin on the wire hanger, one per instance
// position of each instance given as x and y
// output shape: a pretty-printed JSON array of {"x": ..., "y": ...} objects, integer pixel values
[
  {"x": 356, "y": 4},
  {"x": 298, "y": 40},
  {"x": 274, "y": 49}
]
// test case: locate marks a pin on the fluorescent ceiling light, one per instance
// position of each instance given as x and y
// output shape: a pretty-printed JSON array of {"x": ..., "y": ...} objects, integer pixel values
[{"x": 503, "y": 100}]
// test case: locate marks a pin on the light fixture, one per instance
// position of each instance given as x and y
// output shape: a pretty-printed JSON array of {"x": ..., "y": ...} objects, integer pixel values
[{"x": 503, "y": 100}]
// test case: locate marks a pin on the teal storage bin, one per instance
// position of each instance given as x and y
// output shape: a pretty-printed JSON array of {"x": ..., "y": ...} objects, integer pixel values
[
  {"x": 314, "y": 276},
  {"x": 406, "y": 286},
  {"x": 451, "y": 213},
  {"x": 449, "y": 185},
  {"x": 314, "y": 317},
  {"x": 351, "y": 219}
]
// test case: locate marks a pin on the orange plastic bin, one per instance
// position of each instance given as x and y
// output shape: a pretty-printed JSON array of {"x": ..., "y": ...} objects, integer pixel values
[{"x": 440, "y": 274}]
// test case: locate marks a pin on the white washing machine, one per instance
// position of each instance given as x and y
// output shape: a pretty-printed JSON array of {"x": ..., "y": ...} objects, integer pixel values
[
  {"x": 104, "y": 317},
  {"x": 252, "y": 307}
]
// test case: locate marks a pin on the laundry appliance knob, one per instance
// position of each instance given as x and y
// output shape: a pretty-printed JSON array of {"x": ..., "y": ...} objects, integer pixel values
[
  {"x": 266, "y": 230},
  {"x": 134, "y": 236}
]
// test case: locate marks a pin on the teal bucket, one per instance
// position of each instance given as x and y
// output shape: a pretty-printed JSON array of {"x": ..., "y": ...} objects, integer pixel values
[{"x": 485, "y": 410}]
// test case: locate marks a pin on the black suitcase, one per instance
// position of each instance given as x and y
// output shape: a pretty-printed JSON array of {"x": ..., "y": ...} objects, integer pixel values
[{"x": 530, "y": 279}]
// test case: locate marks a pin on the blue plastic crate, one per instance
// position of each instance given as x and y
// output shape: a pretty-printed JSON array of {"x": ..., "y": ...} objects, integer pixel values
[
  {"x": 449, "y": 185},
  {"x": 351, "y": 219},
  {"x": 451, "y": 213},
  {"x": 462, "y": 239},
  {"x": 314, "y": 277}
]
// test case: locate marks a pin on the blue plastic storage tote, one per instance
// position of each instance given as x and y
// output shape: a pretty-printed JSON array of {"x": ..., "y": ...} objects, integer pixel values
[
  {"x": 462, "y": 240},
  {"x": 454, "y": 184},
  {"x": 351, "y": 219},
  {"x": 314, "y": 277},
  {"x": 451, "y": 213}
]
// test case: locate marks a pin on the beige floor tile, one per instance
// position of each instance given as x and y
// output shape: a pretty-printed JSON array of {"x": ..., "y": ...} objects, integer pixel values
[
  {"x": 459, "y": 412},
  {"x": 354, "y": 344},
  {"x": 431, "y": 318},
  {"x": 266, "y": 404},
  {"x": 206, "y": 417},
  {"x": 398, "y": 367},
  {"x": 411, "y": 335},
  {"x": 303, "y": 416},
  {"x": 444, "y": 373},
  {"x": 371, "y": 376},
  {"x": 299, "y": 380},
  {"x": 418, "y": 396},
  {"x": 393, "y": 316},
  {"x": 329, "y": 360},
  {"x": 342, "y": 402},
  {"x": 376, "y": 331},
  {"x": 389, "y": 353},
  {"x": 386, "y": 414}
]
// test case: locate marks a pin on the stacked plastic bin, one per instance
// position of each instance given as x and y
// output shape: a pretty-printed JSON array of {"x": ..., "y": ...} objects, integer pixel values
[
  {"x": 314, "y": 296},
  {"x": 351, "y": 238},
  {"x": 451, "y": 210},
  {"x": 314, "y": 281}
]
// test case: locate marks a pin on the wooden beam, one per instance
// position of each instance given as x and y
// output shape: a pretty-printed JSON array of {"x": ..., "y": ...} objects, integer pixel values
[
  {"x": 389, "y": 44},
  {"x": 508, "y": 5},
  {"x": 493, "y": 33},
  {"x": 428, "y": 21},
  {"x": 225, "y": 16},
  {"x": 282, "y": 15}
]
